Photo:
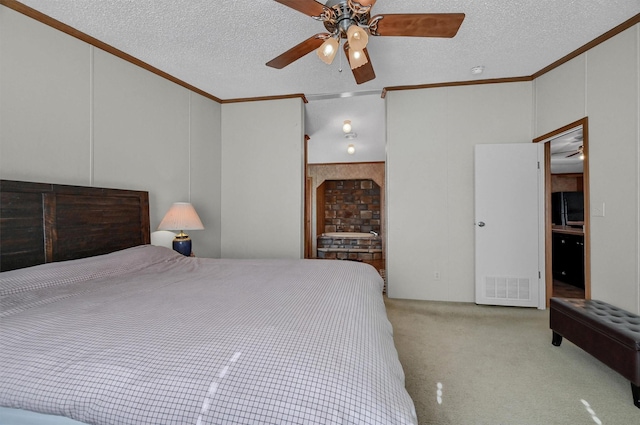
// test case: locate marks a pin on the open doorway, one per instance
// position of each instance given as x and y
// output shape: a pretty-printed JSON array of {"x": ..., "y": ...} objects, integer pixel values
[
  {"x": 362, "y": 210},
  {"x": 567, "y": 224}
]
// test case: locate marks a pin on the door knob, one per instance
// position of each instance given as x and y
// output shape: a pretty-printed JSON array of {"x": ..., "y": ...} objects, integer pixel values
[{"x": 481, "y": 223}]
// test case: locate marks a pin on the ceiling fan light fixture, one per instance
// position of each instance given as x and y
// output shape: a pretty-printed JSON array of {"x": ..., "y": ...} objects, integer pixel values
[
  {"x": 346, "y": 126},
  {"x": 351, "y": 149},
  {"x": 357, "y": 37},
  {"x": 340, "y": 17},
  {"x": 357, "y": 58},
  {"x": 327, "y": 51}
]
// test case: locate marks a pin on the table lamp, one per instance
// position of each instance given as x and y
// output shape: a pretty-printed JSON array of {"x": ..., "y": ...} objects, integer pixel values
[{"x": 181, "y": 216}]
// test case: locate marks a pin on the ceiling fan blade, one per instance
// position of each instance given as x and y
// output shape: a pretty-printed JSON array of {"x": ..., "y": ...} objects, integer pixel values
[
  {"x": 308, "y": 7},
  {"x": 417, "y": 24},
  {"x": 577, "y": 152},
  {"x": 573, "y": 154},
  {"x": 363, "y": 73},
  {"x": 298, "y": 51}
]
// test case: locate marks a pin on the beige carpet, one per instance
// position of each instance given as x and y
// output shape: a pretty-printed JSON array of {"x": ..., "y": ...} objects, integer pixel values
[{"x": 469, "y": 364}]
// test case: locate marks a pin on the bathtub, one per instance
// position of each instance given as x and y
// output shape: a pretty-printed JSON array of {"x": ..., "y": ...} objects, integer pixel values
[{"x": 348, "y": 235}]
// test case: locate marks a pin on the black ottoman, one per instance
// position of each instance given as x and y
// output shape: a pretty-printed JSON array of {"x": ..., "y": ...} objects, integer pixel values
[{"x": 609, "y": 333}]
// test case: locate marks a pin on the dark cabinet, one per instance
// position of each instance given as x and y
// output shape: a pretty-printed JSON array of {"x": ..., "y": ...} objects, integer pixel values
[{"x": 568, "y": 258}]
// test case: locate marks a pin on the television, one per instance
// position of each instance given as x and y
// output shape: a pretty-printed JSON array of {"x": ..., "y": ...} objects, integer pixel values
[{"x": 567, "y": 208}]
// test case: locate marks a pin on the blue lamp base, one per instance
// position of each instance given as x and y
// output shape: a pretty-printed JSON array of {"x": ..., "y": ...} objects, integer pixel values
[{"x": 182, "y": 244}]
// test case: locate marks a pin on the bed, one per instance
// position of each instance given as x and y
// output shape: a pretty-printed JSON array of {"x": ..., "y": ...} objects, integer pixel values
[{"x": 141, "y": 334}]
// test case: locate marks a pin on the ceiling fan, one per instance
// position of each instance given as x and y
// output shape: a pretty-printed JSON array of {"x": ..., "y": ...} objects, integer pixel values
[
  {"x": 351, "y": 20},
  {"x": 579, "y": 151}
]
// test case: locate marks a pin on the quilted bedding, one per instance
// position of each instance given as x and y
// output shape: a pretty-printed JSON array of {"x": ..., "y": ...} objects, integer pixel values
[{"x": 147, "y": 336}]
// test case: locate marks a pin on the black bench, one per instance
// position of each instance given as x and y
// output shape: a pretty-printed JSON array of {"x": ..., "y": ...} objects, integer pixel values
[{"x": 609, "y": 333}]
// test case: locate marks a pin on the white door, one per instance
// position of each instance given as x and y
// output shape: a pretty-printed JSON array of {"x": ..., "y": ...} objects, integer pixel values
[{"x": 509, "y": 220}]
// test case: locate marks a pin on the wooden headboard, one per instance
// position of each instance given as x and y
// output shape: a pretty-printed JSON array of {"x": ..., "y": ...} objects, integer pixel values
[{"x": 41, "y": 223}]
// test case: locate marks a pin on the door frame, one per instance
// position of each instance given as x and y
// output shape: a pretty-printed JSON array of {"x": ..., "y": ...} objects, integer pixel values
[
  {"x": 584, "y": 123},
  {"x": 307, "y": 250}
]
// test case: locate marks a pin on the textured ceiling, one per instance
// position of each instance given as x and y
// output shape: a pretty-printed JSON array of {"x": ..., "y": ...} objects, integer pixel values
[{"x": 222, "y": 46}]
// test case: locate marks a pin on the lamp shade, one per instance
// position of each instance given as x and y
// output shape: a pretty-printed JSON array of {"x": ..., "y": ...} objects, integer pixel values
[
  {"x": 357, "y": 58},
  {"x": 357, "y": 37},
  {"x": 327, "y": 51},
  {"x": 181, "y": 216}
]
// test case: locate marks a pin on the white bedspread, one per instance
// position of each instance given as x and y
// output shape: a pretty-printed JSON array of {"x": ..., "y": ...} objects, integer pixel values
[{"x": 147, "y": 336}]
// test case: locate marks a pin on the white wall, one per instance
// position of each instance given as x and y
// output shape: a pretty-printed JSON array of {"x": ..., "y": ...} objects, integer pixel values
[
  {"x": 140, "y": 133},
  {"x": 430, "y": 134},
  {"x": 74, "y": 114},
  {"x": 430, "y": 138},
  {"x": 559, "y": 96},
  {"x": 603, "y": 84},
  {"x": 45, "y": 99},
  {"x": 206, "y": 173},
  {"x": 262, "y": 179}
]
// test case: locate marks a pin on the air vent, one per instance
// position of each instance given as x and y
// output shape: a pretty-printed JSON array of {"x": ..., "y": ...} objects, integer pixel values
[{"x": 507, "y": 288}]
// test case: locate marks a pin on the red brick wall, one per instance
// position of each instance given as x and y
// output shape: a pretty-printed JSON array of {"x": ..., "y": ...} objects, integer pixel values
[{"x": 352, "y": 206}]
